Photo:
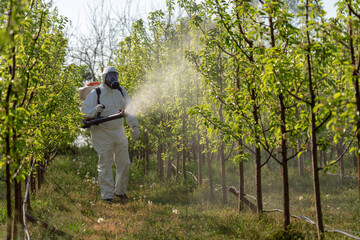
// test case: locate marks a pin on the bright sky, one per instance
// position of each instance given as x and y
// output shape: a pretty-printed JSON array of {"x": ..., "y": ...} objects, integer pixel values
[
  {"x": 76, "y": 10},
  {"x": 329, "y": 7}
]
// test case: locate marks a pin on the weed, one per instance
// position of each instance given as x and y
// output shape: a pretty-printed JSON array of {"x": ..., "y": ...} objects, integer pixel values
[
  {"x": 75, "y": 227},
  {"x": 3, "y": 214}
]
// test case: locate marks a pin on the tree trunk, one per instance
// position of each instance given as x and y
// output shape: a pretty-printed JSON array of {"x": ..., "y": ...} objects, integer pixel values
[
  {"x": 241, "y": 186},
  {"x": 341, "y": 162},
  {"x": 257, "y": 156},
  {"x": 8, "y": 200},
  {"x": 177, "y": 162},
  {"x": 8, "y": 183},
  {"x": 18, "y": 218},
  {"x": 147, "y": 161},
  {"x": 39, "y": 174},
  {"x": 258, "y": 180},
  {"x": 168, "y": 168},
  {"x": 12, "y": 69},
  {"x": 193, "y": 149},
  {"x": 212, "y": 194},
  {"x": 284, "y": 164},
  {"x": 316, "y": 180},
  {"x": 284, "y": 159},
  {"x": 184, "y": 150},
  {"x": 221, "y": 147},
  {"x": 160, "y": 164},
  {"x": 146, "y": 153},
  {"x": 199, "y": 161},
  {"x": 223, "y": 173},
  {"x": 355, "y": 76}
]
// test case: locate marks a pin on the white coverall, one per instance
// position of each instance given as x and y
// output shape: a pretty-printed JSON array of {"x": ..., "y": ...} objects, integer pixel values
[{"x": 109, "y": 138}]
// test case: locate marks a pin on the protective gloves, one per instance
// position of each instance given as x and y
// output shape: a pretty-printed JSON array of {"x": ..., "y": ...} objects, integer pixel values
[
  {"x": 99, "y": 108},
  {"x": 135, "y": 134}
]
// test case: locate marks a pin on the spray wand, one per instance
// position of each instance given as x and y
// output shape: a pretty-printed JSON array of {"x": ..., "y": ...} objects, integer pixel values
[{"x": 95, "y": 121}]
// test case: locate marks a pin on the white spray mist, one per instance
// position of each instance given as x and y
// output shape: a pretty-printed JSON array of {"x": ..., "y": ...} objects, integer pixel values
[{"x": 165, "y": 86}]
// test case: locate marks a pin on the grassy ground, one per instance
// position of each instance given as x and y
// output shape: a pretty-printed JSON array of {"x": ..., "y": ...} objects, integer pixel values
[{"x": 70, "y": 201}]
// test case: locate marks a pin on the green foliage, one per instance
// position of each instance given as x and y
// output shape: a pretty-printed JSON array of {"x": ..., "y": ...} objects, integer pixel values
[
  {"x": 38, "y": 100},
  {"x": 3, "y": 216},
  {"x": 250, "y": 58},
  {"x": 216, "y": 76},
  {"x": 259, "y": 67}
]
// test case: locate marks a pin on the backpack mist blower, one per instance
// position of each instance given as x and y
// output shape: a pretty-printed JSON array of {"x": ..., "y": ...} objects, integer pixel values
[
  {"x": 95, "y": 121},
  {"x": 88, "y": 122}
]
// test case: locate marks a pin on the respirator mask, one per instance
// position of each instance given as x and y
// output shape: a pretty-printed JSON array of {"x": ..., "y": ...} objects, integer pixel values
[{"x": 112, "y": 80}]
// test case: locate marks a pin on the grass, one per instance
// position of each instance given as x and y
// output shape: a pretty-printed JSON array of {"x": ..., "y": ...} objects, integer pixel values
[{"x": 69, "y": 200}]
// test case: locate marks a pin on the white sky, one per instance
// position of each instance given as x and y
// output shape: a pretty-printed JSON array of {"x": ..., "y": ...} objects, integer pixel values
[
  {"x": 329, "y": 7},
  {"x": 76, "y": 10}
]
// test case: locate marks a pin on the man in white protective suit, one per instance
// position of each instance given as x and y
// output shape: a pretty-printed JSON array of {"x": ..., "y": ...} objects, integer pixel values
[{"x": 109, "y": 138}]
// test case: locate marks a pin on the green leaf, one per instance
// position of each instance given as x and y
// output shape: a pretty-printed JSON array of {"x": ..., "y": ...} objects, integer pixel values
[{"x": 337, "y": 95}]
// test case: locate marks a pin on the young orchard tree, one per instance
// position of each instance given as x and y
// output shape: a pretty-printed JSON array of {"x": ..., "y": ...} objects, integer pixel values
[
  {"x": 34, "y": 60},
  {"x": 313, "y": 127},
  {"x": 278, "y": 76},
  {"x": 345, "y": 100},
  {"x": 238, "y": 88},
  {"x": 242, "y": 86},
  {"x": 313, "y": 52},
  {"x": 349, "y": 42}
]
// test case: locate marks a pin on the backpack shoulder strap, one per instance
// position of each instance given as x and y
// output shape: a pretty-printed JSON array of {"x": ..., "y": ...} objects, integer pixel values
[
  {"x": 120, "y": 89},
  {"x": 98, "y": 92}
]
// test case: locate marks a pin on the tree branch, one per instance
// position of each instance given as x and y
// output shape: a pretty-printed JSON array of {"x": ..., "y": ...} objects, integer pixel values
[
  {"x": 323, "y": 122},
  {"x": 353, "y": 11},
  {"x": 267, "y": 160},
  {"x": 339, "y": 158}
]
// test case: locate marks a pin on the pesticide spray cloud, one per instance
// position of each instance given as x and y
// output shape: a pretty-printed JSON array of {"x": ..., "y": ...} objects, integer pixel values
[{"x": 165, "y": 86}]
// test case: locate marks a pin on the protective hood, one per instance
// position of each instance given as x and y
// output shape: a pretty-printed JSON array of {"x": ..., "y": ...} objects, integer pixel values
[{"x": 110, "y": 77}]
